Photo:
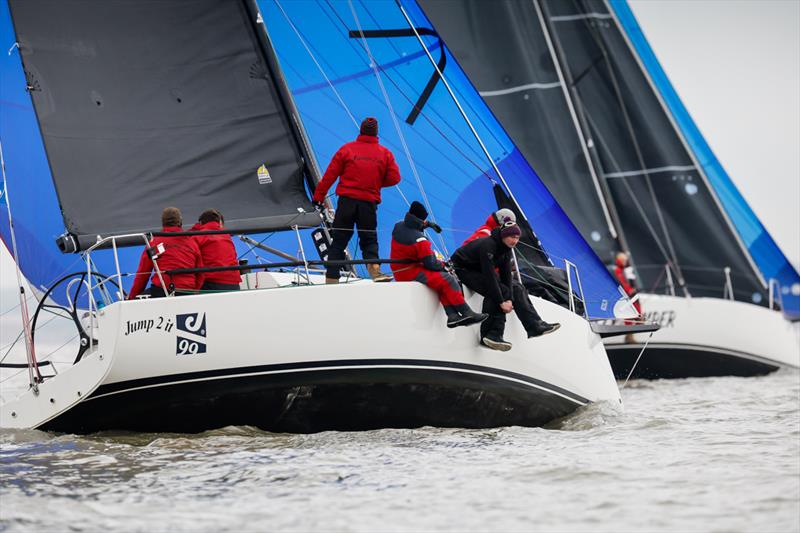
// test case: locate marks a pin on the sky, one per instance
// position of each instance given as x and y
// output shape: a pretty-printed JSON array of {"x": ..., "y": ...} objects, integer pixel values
[{"x": 736, "y": 66}]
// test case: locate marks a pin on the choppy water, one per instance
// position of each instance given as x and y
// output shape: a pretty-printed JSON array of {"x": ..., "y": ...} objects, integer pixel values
[{"x": 686, "y": 455}]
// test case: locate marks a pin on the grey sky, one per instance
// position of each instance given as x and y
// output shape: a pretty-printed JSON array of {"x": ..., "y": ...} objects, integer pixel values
[{"x": 736, "y": 66}]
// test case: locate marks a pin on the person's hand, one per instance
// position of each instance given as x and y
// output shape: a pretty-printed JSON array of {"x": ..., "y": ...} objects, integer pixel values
[
  {"x": 319, "y": 206},
  {"x": 507, "y": 306},
  {"x": 434, "y": 226}
]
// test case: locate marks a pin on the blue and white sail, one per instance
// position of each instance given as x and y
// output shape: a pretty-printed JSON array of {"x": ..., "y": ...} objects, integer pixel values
[
  {"x": 762, "y": 247},
  {"x": 344, "y": 61}
]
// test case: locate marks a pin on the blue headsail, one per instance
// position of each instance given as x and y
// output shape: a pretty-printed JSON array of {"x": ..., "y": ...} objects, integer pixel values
[
  {"x": 763, "y": 249},
  {"x": 344, "y": 61}
]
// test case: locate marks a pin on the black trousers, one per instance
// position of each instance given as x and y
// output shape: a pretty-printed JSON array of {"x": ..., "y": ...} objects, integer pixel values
[
  {"x": 213, "y": 286},
  {"x": 349, "y": 213},
  {"x": 495, "y": 325}
]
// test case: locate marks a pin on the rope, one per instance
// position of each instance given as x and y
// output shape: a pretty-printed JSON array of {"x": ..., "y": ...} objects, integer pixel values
[
  {"x": 374, "y": 65},
  {"x": 637, "y": 360}
]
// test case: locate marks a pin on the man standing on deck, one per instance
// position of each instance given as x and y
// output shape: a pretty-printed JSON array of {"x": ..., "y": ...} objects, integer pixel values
[
  {"x": 363, "y": 168},
  {"x": 484, "y": 265}
]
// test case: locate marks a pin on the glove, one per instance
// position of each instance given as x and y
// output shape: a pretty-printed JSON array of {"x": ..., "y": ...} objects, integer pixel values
[
  {"x": 434, "y": 226},
  {"x": 319, "y": 206}
]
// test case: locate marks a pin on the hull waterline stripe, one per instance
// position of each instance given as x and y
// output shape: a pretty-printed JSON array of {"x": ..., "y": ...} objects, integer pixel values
[
  {"x": 126, "y": 386},
  {"x": 700, "y": 348},
  {"x": 629, "y": 173},
  {"x": 521, "y": 88}
]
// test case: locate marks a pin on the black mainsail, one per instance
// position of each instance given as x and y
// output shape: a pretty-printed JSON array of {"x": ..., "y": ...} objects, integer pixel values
[
  {"x": 143, "y": 105},
  {"x": 568, "y": 88}
]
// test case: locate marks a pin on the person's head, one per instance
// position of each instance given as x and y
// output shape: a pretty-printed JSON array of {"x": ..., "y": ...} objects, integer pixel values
[
  {"x": 211, "y": 215},
  {"x": 418, "y": 210},
  {"x": 510, "y": 234},
  {"x": 369, "y": 126},
  {"x": 171, "y": 217},
  {"x": 504, "y": 215},
  {"x": 622, "y": 259}
]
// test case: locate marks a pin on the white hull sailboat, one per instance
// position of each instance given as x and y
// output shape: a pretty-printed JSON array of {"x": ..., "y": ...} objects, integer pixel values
[
  {"x": 384, "y": 359},
  {"x": 208, "y": 120}
]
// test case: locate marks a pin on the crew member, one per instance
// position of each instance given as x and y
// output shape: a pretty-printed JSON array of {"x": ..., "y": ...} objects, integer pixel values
[
  {"x": 217, "y": 250},
  {"x": 625, "y": 276},
  {"x": 498, "y": 218},
  {"x": 363, "y": 168},
  {"x": 484, "y": 265},
  {"x": 409, "y": 242},
  {"x": 171, "y": 252}
]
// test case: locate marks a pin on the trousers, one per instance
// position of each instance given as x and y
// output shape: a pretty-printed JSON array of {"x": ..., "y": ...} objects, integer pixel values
[
  {"x": 495, "y": 325},
  {"x": 349, "y": 213}
]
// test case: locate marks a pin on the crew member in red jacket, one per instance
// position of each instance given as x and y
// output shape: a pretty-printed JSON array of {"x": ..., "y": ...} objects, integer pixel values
[
  {"x": 363, "y": 168},
  {"x": 496, "y": 219},
  {"x": 624, "y": 274},
  {"x": 217, "y": 250},
  {"x": 409, "y": 242},
  {"x": 180, "y": 251}
]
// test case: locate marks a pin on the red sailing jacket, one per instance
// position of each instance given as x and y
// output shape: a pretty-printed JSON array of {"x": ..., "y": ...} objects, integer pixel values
[
  {"x": 217, "y": 250},
  {"x": 363, "y": 168},
  {"x": 630, "y": 290},
  {"x": 179, "y": 252},
  {"x": 409, "y": 242},
  {"x": 483, "y": 231}
]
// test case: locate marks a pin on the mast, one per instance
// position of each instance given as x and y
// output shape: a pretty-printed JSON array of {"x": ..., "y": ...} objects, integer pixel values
[
  {"x": 460, "y": 109},
  {"x": 583, "y": 130}
]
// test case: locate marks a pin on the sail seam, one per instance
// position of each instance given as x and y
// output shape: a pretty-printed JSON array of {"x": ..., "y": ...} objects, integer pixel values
[
  {"x": 521, "y": 88},
  {"x": 646, "y": 171}
]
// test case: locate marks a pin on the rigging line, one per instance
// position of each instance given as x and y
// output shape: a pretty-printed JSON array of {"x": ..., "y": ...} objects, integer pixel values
[
  {"x": 445, "y": 50},
  {"x": 303, "y": 42},
  {"x": 396, "y": 124},
  {"x": 19, "y": 336},
  {"x": 342, "y": 139},
  {"x": 410, "y": 86},
  {"x": 594, "y": 32},
  {"x": 430, "y": 122},
  {"x": 627, "y": 186},
  {"x": 637, "y": 360},
  {"x": 45, "y": 358},
  {"x": 461, "y": 110}
]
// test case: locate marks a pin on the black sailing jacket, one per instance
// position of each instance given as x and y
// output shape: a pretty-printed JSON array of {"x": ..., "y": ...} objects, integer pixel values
[{"x": 491, "y": 258}]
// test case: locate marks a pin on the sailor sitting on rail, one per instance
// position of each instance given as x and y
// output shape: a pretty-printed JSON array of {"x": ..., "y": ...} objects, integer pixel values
[
  {"x": 409, "y": 242},
  {"x": 171, "y": 252}
]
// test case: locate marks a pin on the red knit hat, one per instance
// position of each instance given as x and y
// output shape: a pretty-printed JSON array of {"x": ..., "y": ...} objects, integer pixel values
[{"x": 369, "y": 127}]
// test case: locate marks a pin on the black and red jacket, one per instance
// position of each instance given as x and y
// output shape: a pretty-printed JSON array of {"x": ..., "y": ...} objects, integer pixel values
[
  {"x": 217, "y": 250},
  {"x": 180, "y": 251},
  {"x": 489, "y": 256},
  {"x": 363, "y": 168},
  {"x": 409, "y": 242}
]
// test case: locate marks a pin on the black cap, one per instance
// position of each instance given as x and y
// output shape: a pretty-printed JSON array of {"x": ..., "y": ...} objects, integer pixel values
[
  {"x": 418, "y": 210},
  {"x": 369, "y": 127}
]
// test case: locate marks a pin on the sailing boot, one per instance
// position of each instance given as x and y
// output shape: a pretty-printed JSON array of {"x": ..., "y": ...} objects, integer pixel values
[
  {"x": 496, "y": 343},
  {"x": 376, "y": 274},
  {"x": 463, "y": 315},
  {"x": 543, "y": 328}
]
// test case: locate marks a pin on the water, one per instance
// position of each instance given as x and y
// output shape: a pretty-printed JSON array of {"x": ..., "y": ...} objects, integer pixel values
[{"x": 685, "y": 455}]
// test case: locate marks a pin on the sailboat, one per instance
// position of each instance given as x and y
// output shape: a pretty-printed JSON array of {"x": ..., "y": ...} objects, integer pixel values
[
  {"x": 101, "y": 128},
  {"x": 594, "y": 113}
]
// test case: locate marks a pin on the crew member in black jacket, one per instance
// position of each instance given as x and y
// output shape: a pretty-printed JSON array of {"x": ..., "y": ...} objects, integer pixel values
[{"x": 484, "y": 265}]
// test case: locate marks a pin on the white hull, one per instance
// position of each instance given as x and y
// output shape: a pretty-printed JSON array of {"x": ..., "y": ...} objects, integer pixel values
[
  {"x": 310, "y": 358},
  {"x": 707, "y": 337}
]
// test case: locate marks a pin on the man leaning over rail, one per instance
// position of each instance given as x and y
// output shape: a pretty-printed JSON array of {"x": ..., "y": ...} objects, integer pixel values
[
  {"x": 171, "y": 252},
  {"x": 363, "y": 167},
  {"x": 409, "y": 242},
  {"x": 484, "y": 265}
]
